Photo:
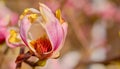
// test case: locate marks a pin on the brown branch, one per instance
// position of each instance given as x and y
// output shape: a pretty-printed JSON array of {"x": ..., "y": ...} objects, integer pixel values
[{"x": 22, "y": 50}]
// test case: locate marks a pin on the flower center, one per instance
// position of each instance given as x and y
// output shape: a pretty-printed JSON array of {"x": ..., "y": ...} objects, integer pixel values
[{"x": 42, "y": 45}]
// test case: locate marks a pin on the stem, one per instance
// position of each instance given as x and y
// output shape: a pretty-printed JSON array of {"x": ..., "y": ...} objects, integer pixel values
[
  {"x": 22, "y": 50},
  {"x": 30, "y": 63}
]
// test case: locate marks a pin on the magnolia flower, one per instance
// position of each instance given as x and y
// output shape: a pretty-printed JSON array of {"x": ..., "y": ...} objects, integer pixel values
[
  {"x": 43, "y": 32},
  {"x": 7, "y": 19}
]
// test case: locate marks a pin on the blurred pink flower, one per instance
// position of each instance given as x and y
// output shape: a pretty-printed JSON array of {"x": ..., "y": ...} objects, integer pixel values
[
  {"x": 76, "y": 4},
  {"x": 12, "y": 64},
  {"x": 53, "y": 4},
  {"x": 80, "y": 5},
  {"x": 108, "y": 12},
  {"x": 7, "y": 19},
  {"x": 117, "y": 16},
  {"x": 2, "y": 34},
  {"x": 42, "y": 32}
]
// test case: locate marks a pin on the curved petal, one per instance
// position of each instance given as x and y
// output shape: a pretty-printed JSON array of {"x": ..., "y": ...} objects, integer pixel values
[
  {"x": 64, "y": 27},
  {"x": 46, "y": 13},
  {"x": 56, "y": 53},
  {"x": 28, "y": 21},
  {"x": 52, "y": 26},
  {"x": 13, "y": 38},
  {"x": 55, "y": 33},
  {"x": 24, "y": 28},
  {"x": 54, "y": 29}
]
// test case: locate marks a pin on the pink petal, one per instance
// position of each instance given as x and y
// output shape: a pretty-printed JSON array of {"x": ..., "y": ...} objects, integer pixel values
[
  {"x": 51, "y": 25},
  {"x": 25, "y": 25},
  {"x": 47, "y": 13},
  {"x": 55, "y": 33},
  {"x": 24, "y": 28},
  {"x": 64, "y": 27},
  {"x": 54, "y": 29}
]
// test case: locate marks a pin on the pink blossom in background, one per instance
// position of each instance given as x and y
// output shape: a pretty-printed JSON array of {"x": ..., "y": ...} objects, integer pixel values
[
  {"x": 79, "y": 6},
  {"x": 8, "y": 16},
  {"x": 7, "y": 19},
  {"x": 98, "y": 42},
  {"x": 2, "y": 34},
  {"x": 14, "y": 18},
  {"x": 66, "y": 62},
  {"x": 53, "y": 64},
  {"x": 76, "y": 4},
  {"x": 117, "y": 16},
  {"x": 108, "y": 12},
  {"x": 12, "y": 64},
  {"x": 52, "y": 4}
]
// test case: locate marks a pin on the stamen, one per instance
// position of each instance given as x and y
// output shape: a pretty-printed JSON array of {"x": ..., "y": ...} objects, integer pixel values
[
  {"x": 42, "y": 45},
  {"x": 58, "y": 15},
  {"x": 26, "y": 11},
  {"x": 32, "y": 17},
  {"x": 13, "y": 36}
]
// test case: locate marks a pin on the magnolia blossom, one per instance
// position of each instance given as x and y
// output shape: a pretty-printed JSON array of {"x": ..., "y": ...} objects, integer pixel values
[
  {"x": 7, "y": 19},
  {"x": 42, "y": 32}
]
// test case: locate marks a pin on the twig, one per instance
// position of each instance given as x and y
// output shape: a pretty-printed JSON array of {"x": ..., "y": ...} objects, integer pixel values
[{"x": 22, "y": 50}]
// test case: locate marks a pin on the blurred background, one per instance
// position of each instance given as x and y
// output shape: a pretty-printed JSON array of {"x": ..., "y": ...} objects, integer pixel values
[{"x": 93, "y": 39}]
